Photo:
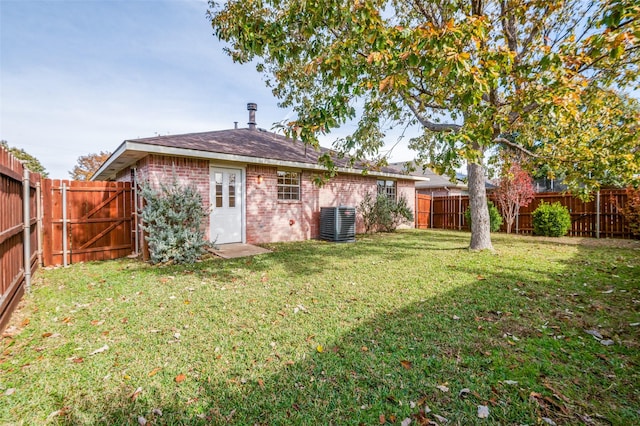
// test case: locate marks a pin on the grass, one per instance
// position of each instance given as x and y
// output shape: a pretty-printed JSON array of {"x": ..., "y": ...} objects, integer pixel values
[{"x": 319, "y": 333}]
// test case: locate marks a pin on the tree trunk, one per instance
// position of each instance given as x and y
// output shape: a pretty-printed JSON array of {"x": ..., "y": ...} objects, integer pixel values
[{"x": 480, "y": 224}]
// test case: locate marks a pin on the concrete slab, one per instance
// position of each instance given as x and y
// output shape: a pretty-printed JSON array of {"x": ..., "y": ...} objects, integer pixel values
[{"x": 234, "y": 250}]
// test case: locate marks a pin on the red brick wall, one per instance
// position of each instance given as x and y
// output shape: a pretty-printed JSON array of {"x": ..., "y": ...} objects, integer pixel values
[
  {"x": 124, "y": 175},
  {"x": 155, "y": 169},
  {"x": 270, "y": 220},
  {"x": 267, "y": 219}
]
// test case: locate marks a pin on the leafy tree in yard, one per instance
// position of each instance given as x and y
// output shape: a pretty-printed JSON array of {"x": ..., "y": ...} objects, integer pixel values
[
  {"x": 515, "y": 189},
  {"x": 29, "y": 161},
  {"x": 467, "y": 71},
  {"x": 88, "y": 165}
]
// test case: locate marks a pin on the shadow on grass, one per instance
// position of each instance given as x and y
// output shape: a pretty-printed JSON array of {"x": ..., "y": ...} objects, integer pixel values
[{"x": 512, "y": 325}]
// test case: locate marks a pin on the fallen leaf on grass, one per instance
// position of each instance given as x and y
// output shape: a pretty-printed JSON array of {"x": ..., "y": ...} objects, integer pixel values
[
  {"x": 100, "y": 350},
  {"x": 440, "y": 418},
  {"x": 142, "y": 421},
  {"x": 548, "y": 421},
  {"x": 455, "y": 317},
  {"x": 58, "y": 413},
  {"x": 154, "y": 371},
  {"x": 180, "y": 378},
  {"x": 364, "y": 349},
  {"x": 406, "y": 364},
  {"x": 319, "y": 348},
  {"x": 78, "y": 360},
  {"x": 634, "y": 324},
  {"x": 510, "y": 382},
  {"x": 157, "y": 412},
  {"x": 25, "y": 322},
  {"x": 464, "y": 392},
  {"x": 97, "y": 322},
  {"x": 483, "y": 411},
  {"x": 443, "y": 388},
  {"x": 406, "y": 422},
  {"x": 9, "y": 391},
  {"x": 595, "y": 333},
  {"x": 135, "y": 393},
  {"x": 382, "y": 419},
  {"x": 607, "y": 342},
  {"x": 45, "y": 335},
  {"x": 261, "y": 383}
]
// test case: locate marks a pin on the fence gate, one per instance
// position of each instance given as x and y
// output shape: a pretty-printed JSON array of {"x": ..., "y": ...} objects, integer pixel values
[
  {"x": 423, "y": 211},
  {"x": 86, "y": 221}
]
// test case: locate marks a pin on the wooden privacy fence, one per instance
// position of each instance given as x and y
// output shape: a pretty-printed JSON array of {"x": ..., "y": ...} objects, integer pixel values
[
  {"x": 19, "y": 217},
  {"x": 86, "y": 221},
  {"x": 423, "y": 211},
  {"x": 598, "y": 218}
]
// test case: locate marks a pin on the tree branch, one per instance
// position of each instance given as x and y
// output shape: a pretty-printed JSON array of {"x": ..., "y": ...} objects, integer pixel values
[
  {"x": 515, "y": 146},
  {"x": 429, "y": 125}
]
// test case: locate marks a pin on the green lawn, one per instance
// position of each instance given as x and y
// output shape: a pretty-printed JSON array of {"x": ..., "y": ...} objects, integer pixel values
[{"x": 389, "y": 328}]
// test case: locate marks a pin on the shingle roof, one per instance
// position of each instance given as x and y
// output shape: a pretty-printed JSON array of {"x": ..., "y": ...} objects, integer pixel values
[
  {"x": 246, "y": 145},
  {"x": 246, "y": 142}
]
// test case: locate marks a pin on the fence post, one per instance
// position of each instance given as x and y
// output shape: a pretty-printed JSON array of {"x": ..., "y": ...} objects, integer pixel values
[
  {"x": 460, "y": 215},
  {"x": 26, "y": 217},
  {"x": 64, "y": 225},
  {"x": 134, "y": 188},
  {"x": 39, "y": 220},
  {"x": 598, "y": 214}
]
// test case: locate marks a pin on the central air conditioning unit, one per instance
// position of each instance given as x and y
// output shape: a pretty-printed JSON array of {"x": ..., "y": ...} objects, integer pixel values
[{"x": 338, "y": 224}]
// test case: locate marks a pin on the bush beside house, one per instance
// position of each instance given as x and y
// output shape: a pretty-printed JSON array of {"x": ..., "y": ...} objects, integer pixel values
[{"x": 173, "y": 217}]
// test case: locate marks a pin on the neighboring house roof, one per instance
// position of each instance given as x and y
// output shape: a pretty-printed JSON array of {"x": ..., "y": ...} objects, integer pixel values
[
  {"x": 252, "y": 146},
  {"x": 436, "y": 180}
]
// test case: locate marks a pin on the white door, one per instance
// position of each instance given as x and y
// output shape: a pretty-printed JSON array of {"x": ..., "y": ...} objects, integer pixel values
[{"x": 226, "y": 201}]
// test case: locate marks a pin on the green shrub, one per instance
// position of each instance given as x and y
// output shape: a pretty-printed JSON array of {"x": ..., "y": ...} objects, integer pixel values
[
  {"x": 551, "y": 220},
  {"x": 384, "y": 214},
  {"x": 172, "y": 218},
  {"x": 367, "y": 209},
  {"x": 495, "y": 219}
]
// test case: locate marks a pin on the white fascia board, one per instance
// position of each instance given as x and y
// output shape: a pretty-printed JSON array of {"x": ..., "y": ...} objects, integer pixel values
[
  {"x": 117, "y": 153},
  {"x": 183, "y": 152}
]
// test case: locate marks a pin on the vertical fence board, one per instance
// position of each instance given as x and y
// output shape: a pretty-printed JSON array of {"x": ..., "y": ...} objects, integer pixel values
[{"x": 423, "y": 211}]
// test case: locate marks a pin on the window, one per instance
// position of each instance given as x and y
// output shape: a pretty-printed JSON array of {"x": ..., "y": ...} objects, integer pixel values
[
  {"x": 388, "y": 188},
  {"x": 288, "y": 185},
  {"x": 218, "y": 183}
]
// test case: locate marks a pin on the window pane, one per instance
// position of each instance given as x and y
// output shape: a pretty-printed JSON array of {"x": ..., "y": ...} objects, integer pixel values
[
  {"x": 288, "y": 185},
  {"x": 218, "y": 180},
  {"x": 232, "y": 190}
]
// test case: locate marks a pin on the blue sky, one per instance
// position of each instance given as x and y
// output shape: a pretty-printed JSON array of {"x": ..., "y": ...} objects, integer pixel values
[{"x": 82, "y": 76}]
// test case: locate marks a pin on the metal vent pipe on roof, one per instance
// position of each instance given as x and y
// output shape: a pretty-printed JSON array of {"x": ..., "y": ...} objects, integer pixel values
[{"x": 252, "y": 108}]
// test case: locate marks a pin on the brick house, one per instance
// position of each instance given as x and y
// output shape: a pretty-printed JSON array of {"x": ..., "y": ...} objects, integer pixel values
[{"x": 257, "y": 185}]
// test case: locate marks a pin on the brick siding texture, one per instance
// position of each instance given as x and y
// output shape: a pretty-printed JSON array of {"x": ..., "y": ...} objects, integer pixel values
[{"x": 267, "y": 218}]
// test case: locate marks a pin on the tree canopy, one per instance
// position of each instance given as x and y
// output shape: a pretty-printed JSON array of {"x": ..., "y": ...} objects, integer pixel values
[
  {"x": 29, "y": 161},
  {"x": 88, "y": 165},
  {"x": 469, "y": 72}
]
